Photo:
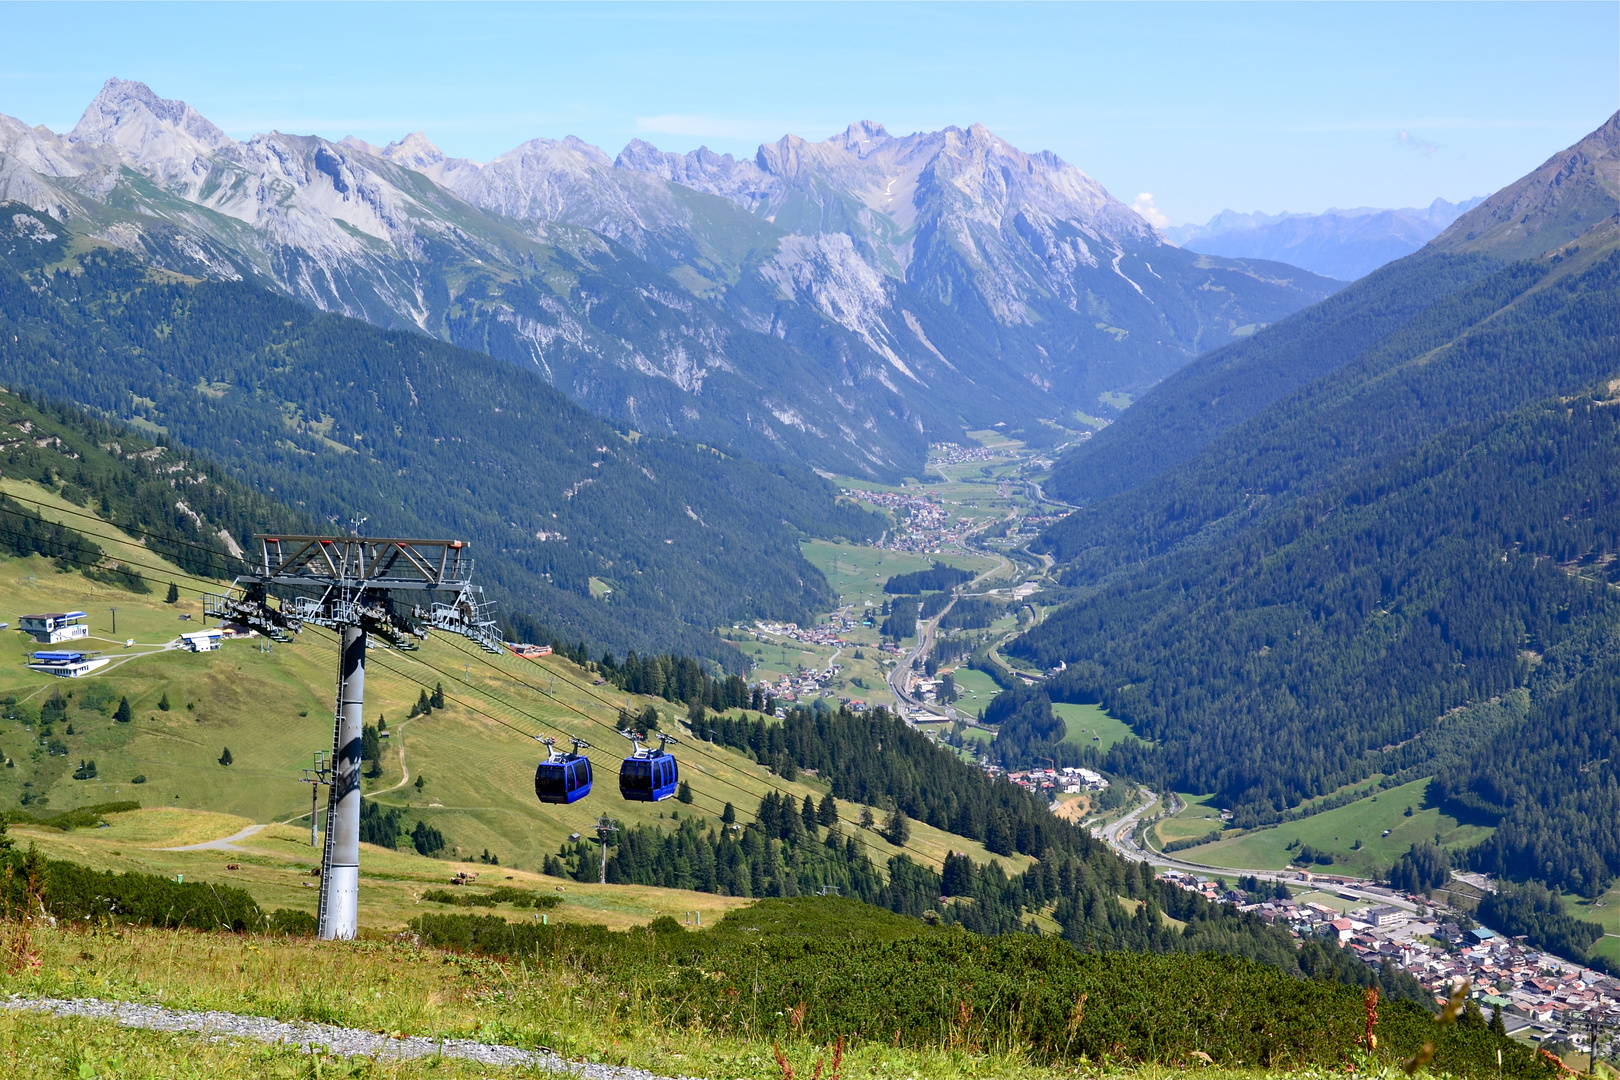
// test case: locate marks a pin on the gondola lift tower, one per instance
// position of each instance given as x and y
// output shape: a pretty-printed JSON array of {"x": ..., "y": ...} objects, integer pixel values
[{"x": 397, "y": 590}]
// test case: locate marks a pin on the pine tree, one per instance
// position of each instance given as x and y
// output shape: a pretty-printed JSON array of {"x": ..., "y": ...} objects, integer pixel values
[
  {"x": 123, "y": 714},
  {"x": 225, "y": 758},
  {"x": 437, "y": 701},
  {"x": 684, "y": 792},
  {"x": 729, "y": 814},
  {"x": 827, "y": 812},
  {"x": 867, "y": 820},
  {"x": 420, "y": 781},
  {"x": 1498, "y": 1025},
  {"x": 807, "y": 813},
  {"x": 897, "y": 828},
  {"x": 163, "y": 702},
  {"x": 174, "y": 594}
]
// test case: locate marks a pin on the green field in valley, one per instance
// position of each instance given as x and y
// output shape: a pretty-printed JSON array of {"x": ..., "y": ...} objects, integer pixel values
[
  {"x": 1199, "y": 816},
  {"x": 857, "y": 572},
  {"x": 1090, "y": 725},
  {"x": 1338, "y": 830}
]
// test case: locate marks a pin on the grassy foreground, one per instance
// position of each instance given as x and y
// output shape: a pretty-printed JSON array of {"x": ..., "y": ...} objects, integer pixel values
[
  {"x": 395, "y": 985},
  {"x": 382, "y": 984}
]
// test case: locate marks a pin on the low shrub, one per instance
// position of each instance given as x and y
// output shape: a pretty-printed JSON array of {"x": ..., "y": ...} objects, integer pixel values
[{"x": 928, "y": 987}]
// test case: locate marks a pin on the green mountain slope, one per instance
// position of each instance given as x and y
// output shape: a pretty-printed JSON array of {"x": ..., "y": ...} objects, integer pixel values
[
  {"x": 1572, "y": 199},
  {"x": 1377, "y": 572},
  {"x": 340, "y": 419}
]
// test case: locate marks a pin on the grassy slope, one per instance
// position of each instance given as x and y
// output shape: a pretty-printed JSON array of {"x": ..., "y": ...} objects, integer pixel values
[
  {"x": 1337, "y": 830},
  {"x": 479, "y": 789},
  {"x": 1090, "y": 725}
]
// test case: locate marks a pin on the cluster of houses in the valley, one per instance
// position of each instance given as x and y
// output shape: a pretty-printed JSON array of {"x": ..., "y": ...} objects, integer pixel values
[
  {"x": 806, "y": 684},
  {"x": 1051, "y": 782},
  {"x": 1538, "y": 993},
  {"x": 830, "y": 633},
  {"x": 926, "y": 527},
  {"x": 956, "y": 454}
]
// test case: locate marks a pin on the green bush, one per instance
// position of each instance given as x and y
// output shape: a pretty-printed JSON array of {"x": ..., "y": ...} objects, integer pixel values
[
  {"x": 500, "y": 894},
  {"x": 85, "y": 817},
  {"x": 867, "y": 974}
]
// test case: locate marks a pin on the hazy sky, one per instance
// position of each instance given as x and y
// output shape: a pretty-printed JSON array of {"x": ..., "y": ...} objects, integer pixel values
[{"x": 1254, "y": 107}]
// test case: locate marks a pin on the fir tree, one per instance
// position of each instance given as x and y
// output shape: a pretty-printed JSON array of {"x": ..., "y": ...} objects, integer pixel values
[
  {"x": 174, "y": 594},
  {"x": 123, "y": 714},
  {"x": 827, "y": 812},
  {"x": 225, "y": 758}
]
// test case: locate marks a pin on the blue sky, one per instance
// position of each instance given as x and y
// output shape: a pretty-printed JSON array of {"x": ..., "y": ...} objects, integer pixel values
[{"x": 1254, "y": 107}]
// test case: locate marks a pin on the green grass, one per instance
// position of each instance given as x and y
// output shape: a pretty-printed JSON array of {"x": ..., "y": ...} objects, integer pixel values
[
  {"x": 395, "y": 986},
  {"x": 975, "y": 689},
  {"x": 1605, "y": 911},
  {"x": 1090, "y": 725},
  {"x": 1198, "y": 817},
  {"x": 857, "y": 572},
  {"x": 34, "y": 1046},
  {"x": 1338, "y": 830}
]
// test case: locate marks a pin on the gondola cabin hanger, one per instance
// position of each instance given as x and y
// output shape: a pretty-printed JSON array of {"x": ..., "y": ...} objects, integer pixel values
[
  {"x": 564, "y": 776},
  {"x": 648, "y": 775}
]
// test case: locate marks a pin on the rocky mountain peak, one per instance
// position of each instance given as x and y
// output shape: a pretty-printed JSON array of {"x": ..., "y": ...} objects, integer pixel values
[
  {"x": 860, "y": 136},
  {"x": 1573, "y": 191},
  {"x": 414, "y": 151},
  {"x": 129, "y": 115}
]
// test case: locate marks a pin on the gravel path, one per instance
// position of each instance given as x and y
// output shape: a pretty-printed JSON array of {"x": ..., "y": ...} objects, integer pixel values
[
  {"x": 227, "y": 843},
  {"x": 312, "y": 1037}
]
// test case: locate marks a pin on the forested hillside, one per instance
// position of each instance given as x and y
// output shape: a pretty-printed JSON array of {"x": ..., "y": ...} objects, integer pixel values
[
  {"x": 1570, "y": 201},
  {"x": 630, "y": 542},
  {"x": 877, "y": 758},
  {"x": 1381, "y": 571},
  {"x": 1219, "y": 390},
  {"x": 1340, "y": 638},
  {"x": 185, "y": 508}
]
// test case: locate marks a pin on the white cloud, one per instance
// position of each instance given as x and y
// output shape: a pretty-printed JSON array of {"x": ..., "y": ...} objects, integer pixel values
[
  {"x": 1150, "y": 213},
  {"x": 1422, "y": 146},
  {"x": 699, "y": 126}
]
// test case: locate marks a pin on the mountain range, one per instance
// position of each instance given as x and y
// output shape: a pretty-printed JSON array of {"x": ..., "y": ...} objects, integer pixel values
[
  {"x": 839, "y": 303},
  {"x": 1343, "y": 244}
]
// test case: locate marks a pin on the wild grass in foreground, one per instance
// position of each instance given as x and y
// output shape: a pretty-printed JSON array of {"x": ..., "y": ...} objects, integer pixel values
[
  {"x": 799, "y": 985},
  {"x": 381, "y": 985}
]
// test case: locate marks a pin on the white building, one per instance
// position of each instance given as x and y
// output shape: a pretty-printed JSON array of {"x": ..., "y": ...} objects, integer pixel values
[
  {"x": 52, "y": 628},
  {"x": 201, "y": 640},
  {"x": 67, "y": 665},
  {"x": 1385, "y": 916}
]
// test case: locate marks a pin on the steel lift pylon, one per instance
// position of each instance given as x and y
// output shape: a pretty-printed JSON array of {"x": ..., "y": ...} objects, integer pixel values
[{"x": 357, "y": 586}]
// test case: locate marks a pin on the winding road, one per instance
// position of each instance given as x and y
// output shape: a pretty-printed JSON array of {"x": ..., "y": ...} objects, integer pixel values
[{"x": 1120, "y": 835}]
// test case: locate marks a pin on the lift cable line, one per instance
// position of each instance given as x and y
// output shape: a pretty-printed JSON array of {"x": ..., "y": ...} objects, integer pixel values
[
  {"x": 176, "y": 572},
  {"x": 356, "y": 586}
]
